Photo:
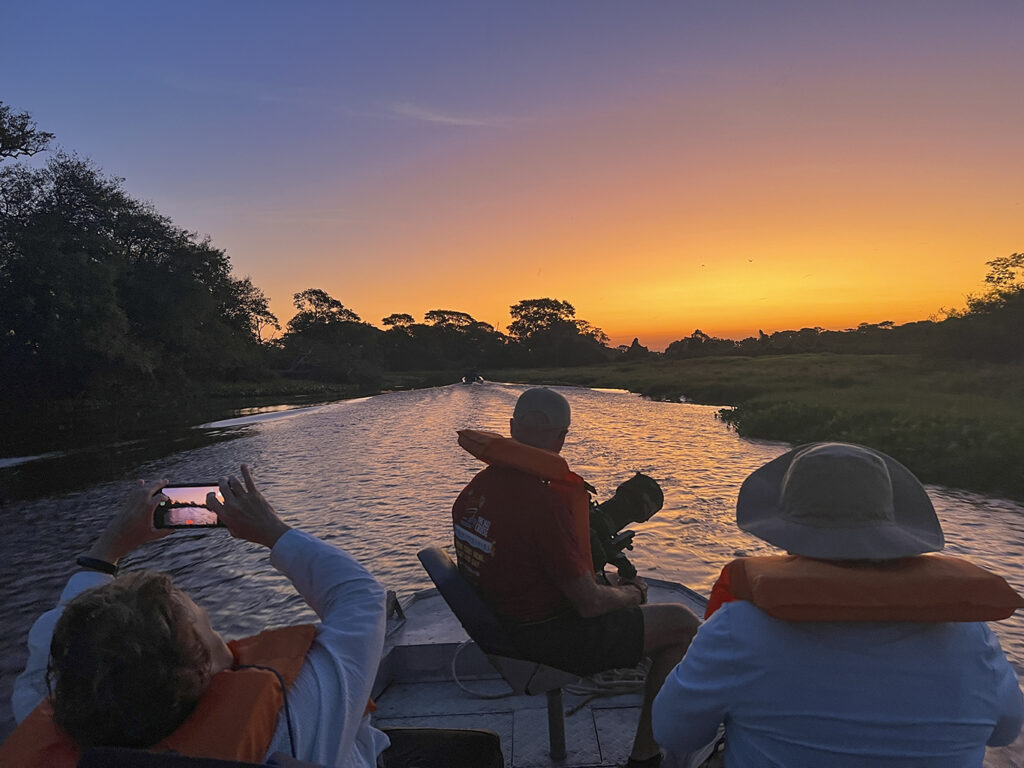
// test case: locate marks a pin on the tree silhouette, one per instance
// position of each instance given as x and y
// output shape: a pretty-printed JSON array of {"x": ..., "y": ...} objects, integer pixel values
[
  {"x": 318, "y": 308},
  {"x": 249, "y": 309},
  {"x": 19, "y": 135},
  {"x": 449, "y": 318},
  {"x": 533, "y": 316},
  {"x": 990, "y": 328},
  {"x": 549, "y": 333},
  {"x": 98, "y": 289},
  {"x": 398, "y": 319}
]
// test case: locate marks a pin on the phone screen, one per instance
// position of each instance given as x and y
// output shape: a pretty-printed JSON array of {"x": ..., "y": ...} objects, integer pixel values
[{"x": 186, "y": 507}]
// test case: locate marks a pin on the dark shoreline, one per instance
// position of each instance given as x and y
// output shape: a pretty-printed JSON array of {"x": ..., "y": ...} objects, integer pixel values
[{"x": 80, "y": 441}]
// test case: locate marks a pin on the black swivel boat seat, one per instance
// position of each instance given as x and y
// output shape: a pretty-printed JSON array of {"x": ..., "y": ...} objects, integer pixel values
[{"x": 482, "y": 626}]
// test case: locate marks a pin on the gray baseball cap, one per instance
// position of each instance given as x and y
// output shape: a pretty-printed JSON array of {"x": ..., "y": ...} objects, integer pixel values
[{"x": 542, "y": 408}]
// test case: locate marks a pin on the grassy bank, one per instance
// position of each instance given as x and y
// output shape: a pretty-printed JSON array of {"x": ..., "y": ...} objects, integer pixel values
[{"x": 955, "y": 423}]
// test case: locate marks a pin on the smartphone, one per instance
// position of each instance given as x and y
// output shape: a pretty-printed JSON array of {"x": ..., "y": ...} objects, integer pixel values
[{"x": 186, "y": 507}]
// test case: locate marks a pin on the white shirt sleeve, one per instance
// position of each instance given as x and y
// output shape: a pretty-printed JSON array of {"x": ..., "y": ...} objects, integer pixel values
[
  {"x": 30, "y": 686},
  {"x": 1009, "y": 700},
  {"x": 328, "y": 699},
  {"x": 694, "y": 698}
]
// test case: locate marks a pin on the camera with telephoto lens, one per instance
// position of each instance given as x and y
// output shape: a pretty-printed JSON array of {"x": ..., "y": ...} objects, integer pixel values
[{"x": 635, "y": 501}]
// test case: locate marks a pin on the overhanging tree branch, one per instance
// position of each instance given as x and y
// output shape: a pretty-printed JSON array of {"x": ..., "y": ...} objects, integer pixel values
[{"x": 19, "y": 135}]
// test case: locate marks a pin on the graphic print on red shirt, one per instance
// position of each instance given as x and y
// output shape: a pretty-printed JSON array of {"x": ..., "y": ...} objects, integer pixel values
[{"x": 515, "y": 541}]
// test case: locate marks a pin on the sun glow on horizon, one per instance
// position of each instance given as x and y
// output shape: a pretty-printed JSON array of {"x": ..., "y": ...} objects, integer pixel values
[{"x": 654, "y": 218}]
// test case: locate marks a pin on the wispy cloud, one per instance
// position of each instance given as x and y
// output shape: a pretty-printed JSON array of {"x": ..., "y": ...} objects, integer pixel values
[
  {"x": 428, "y": 115},
  {"x": 327, "y": 100},
  {"x": 295, "y": 96}
]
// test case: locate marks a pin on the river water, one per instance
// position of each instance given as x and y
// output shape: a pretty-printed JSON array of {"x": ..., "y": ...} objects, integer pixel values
[{"x": 378, "y": 477}]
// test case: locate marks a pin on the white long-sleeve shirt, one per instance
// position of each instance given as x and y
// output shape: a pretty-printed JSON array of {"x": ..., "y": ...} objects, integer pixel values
[
  {"x": 328, "y": 698},
  {"x": 840, "y": 695}
]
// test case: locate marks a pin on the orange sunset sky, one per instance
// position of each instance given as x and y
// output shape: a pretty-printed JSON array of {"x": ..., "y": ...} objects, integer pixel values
[{"x": 662, "y": 166}]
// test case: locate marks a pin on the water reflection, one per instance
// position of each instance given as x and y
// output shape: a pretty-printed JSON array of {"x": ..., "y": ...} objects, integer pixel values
[{"x": 378, "y": 476}]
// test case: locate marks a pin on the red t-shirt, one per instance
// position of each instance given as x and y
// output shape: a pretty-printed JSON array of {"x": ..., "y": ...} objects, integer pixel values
[{"x": 516, "y": 543}]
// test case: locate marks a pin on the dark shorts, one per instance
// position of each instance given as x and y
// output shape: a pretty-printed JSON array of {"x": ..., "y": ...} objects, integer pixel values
[{"x": 584, "y": 646}]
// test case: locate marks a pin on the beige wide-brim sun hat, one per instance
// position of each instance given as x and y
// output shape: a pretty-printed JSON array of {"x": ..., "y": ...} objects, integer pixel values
[{"x": 839, "y": 501}]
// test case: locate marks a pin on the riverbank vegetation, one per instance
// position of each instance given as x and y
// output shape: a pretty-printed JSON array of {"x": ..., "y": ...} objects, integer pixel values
[
  {"x": 954, "y": 422},
  {"x": 115, "y": 319}
]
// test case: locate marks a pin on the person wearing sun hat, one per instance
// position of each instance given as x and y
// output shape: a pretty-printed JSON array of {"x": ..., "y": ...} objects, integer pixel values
[{"x": 855, "y": 648}]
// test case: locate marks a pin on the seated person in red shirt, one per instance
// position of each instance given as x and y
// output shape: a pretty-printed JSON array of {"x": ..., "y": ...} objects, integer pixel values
[{"x": 520, "y": 542}]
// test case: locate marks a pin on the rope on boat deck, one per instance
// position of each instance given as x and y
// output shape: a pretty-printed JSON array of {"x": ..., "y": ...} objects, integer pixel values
[
  {"x": 471, "y": 692},
  {"x": 611, "y": 682}
]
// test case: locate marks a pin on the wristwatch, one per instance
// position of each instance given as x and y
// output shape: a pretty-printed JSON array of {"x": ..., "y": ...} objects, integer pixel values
[{"x": 95, "y": 564}]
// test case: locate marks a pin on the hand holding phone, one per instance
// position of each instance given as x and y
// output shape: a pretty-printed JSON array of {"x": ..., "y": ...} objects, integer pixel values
[
  {"x": 246, "y": 514},
  {"x": 132, "y": 526},
  {"x": 186, "y": 507}
]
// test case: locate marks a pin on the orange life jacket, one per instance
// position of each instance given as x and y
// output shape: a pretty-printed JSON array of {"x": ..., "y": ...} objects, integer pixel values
[
  {"x": 494, "y": 449},
  {"x": 925, "y": 588},
  {"x": 234, "y": 720}
]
